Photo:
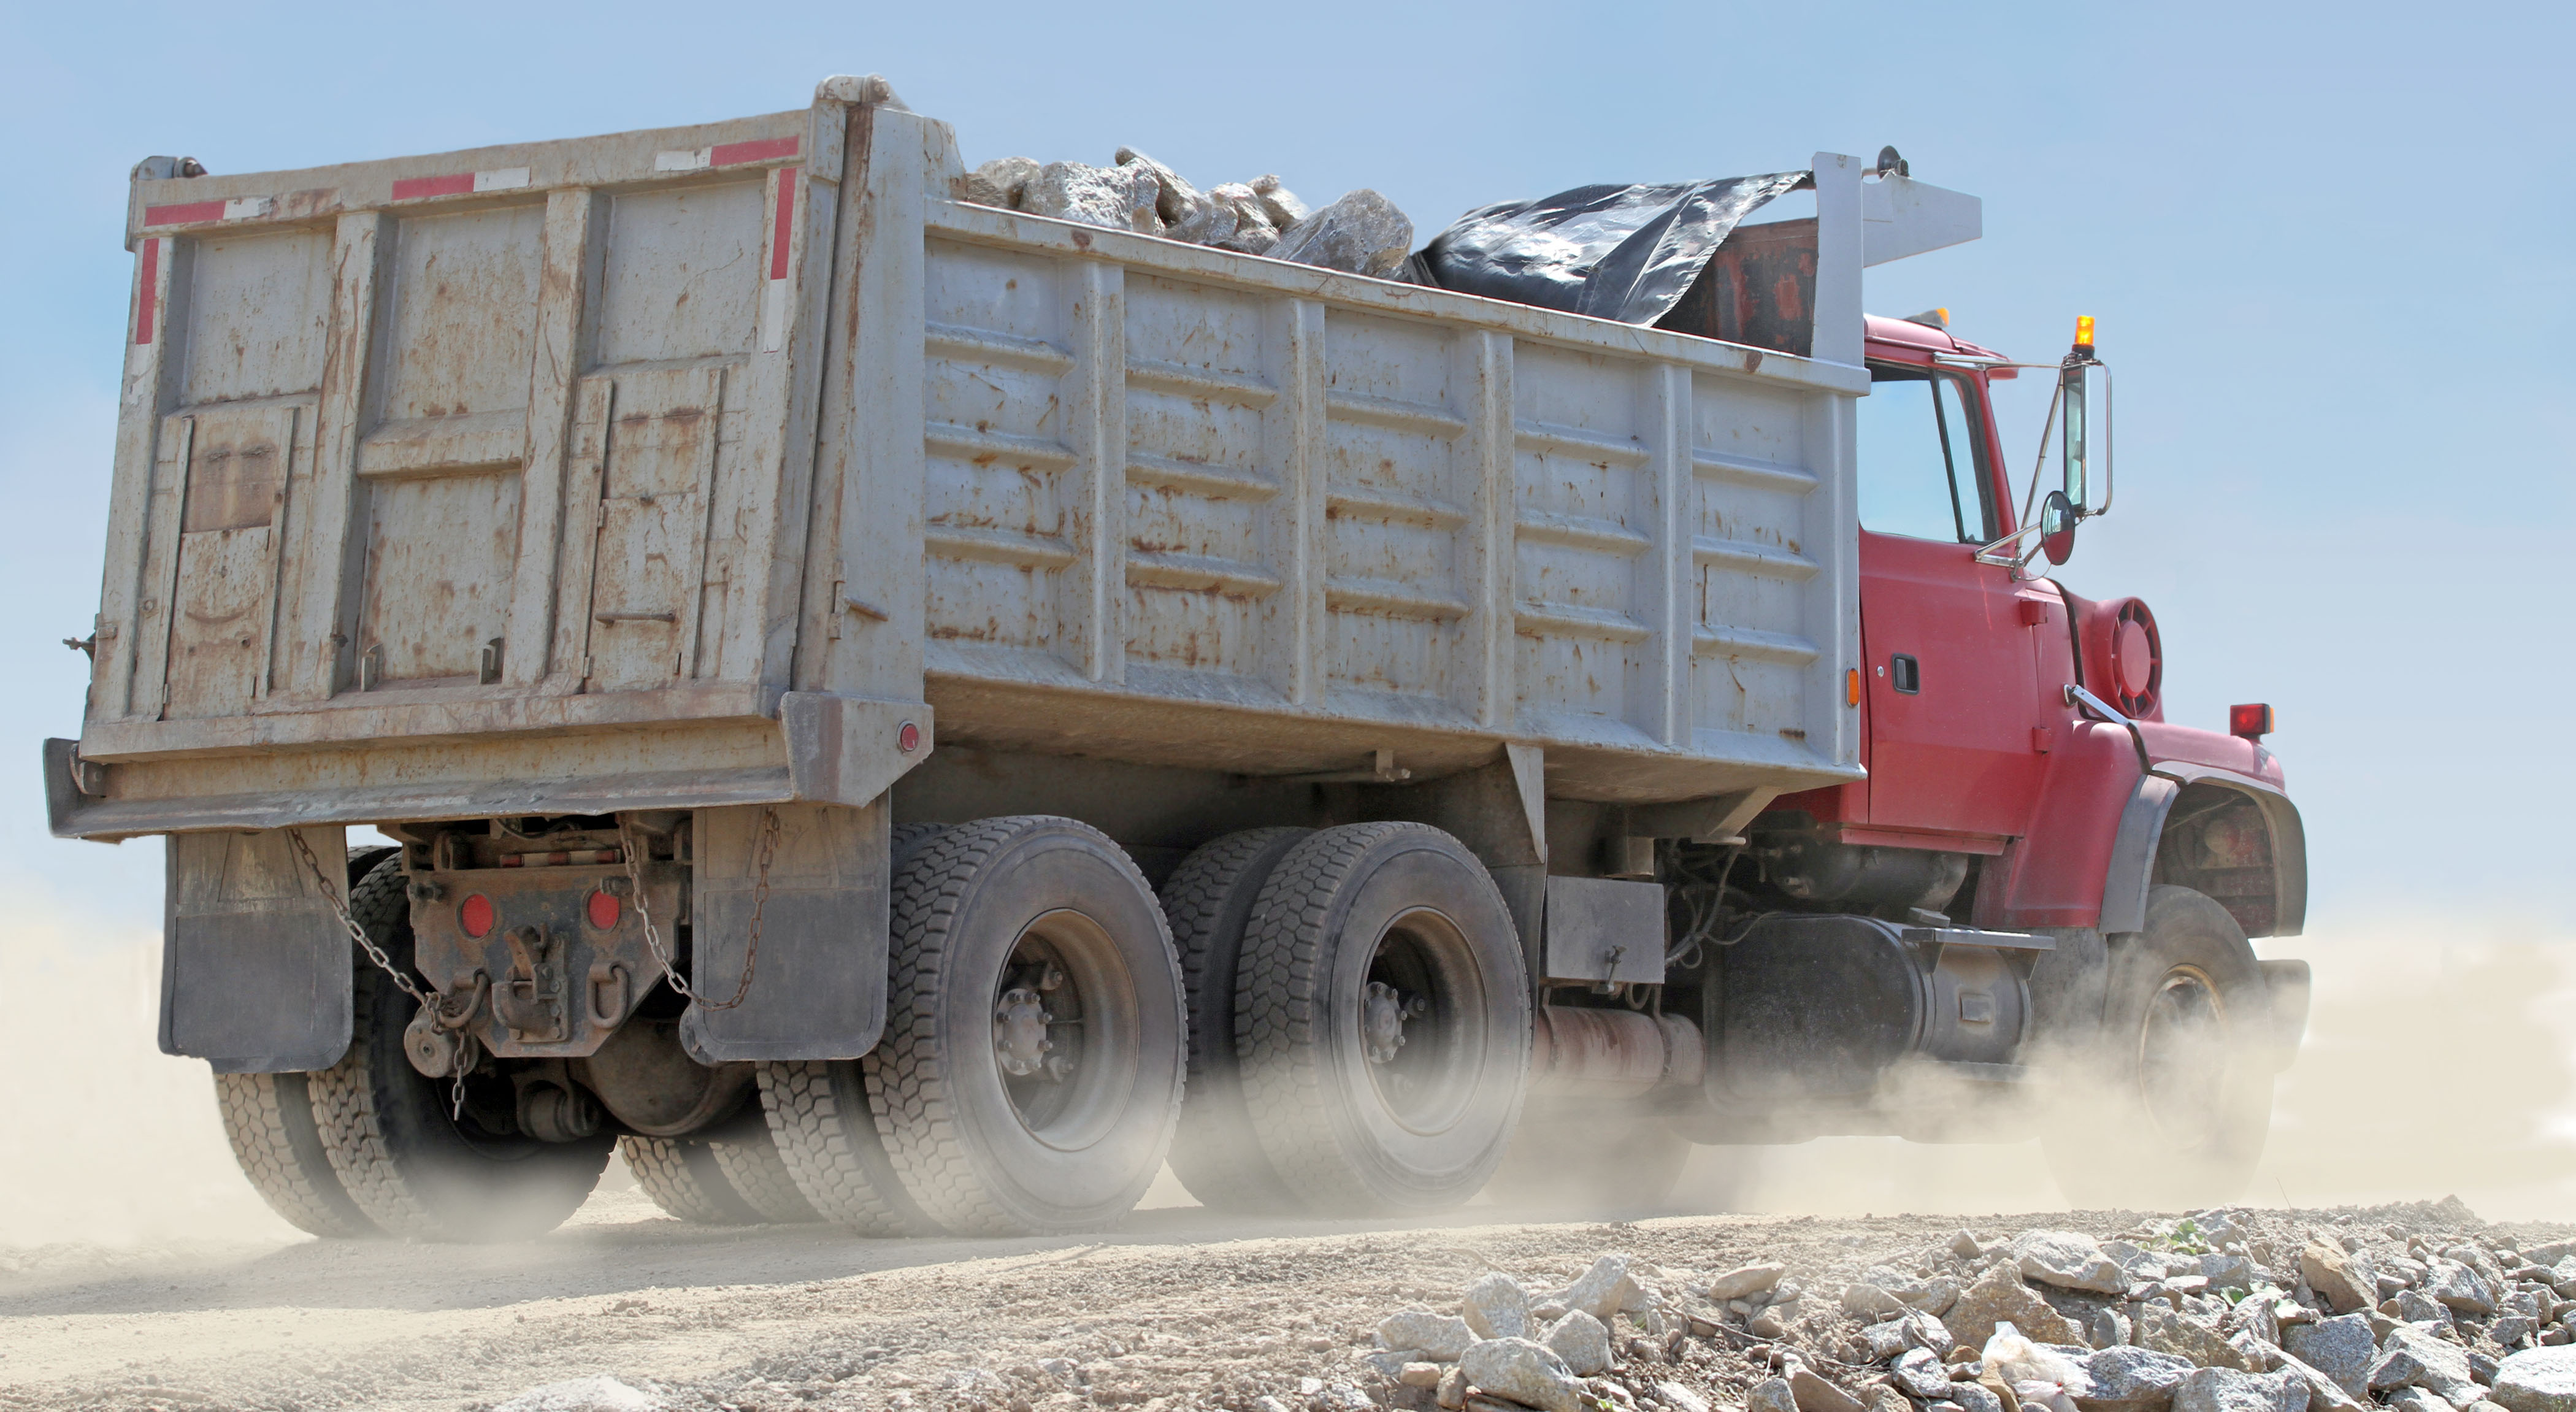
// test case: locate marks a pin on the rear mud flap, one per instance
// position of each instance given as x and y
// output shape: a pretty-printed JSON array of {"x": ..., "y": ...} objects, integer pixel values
[
  {"x": 255, "y": 966},
  {"x": 818, "y": 983}
]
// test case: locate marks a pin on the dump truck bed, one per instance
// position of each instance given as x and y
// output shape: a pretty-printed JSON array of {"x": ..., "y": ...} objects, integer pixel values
[{"x": 689, "y": 466}]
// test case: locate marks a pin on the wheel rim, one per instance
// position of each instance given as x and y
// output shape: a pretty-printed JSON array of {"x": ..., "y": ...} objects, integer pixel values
[
  {"x": 2183, "y": 1059},
  {"x": 1421, "y": 1018},
  {"x": 1066, "y": 1030}
]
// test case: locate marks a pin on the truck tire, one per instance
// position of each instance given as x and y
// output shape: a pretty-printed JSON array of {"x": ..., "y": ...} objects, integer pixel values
[
  {"x": 1383, "y": 1021},
  {"x": 1613, "y": 1164},
  {"x": 758, "y": 1174},
  {"x": 1208, "y": 899},
  {"x": 268, "y": 1119},
  {"x": 2169, "y": 1104},
  {"x": 825, "y": 1133},
  {"x": 682, "y": 1177},
  {"x": 1030, "y": 1075},
  {"x": 413, "y": 1167}
]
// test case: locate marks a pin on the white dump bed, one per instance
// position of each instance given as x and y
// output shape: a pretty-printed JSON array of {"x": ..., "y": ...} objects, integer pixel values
[{"x": 685, "y": 467}]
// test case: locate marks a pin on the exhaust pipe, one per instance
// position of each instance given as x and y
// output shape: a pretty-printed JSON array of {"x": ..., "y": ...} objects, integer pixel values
[{"x": 1612, "y": 1053}]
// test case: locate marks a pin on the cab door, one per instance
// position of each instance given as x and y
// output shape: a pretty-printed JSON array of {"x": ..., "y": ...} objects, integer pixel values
[{"x": 1953, "y": 689}]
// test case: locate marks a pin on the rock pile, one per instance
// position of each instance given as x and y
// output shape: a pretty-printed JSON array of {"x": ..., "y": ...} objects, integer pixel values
[
  {"x": 1362, "y": 233},
  {"x": 2214, "y": 1312}
]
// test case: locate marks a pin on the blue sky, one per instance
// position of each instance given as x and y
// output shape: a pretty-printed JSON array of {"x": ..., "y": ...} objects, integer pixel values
[{"x": 2328, "y": 247}]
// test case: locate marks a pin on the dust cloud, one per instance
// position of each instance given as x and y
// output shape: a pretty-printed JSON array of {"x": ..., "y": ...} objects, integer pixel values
[{"x": 2438, "y": 1061}]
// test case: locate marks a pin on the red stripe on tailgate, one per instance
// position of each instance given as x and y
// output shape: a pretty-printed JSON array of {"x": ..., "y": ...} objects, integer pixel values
[
  {"x": 414, "y": 188},
  {"x": 149, "y": 293},
  {"x": 784, "y": 226},
  {"x": 731, "y": 154},
  {"x": 186, "y": 213}
]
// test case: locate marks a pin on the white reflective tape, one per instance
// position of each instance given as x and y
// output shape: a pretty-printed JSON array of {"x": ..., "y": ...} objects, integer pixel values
[
  {"x": 246, "y": 208},
  {"x": 505, "y": 179},
  {"x": 773, "y": 315},
  {"x": 682, "y": 161}
]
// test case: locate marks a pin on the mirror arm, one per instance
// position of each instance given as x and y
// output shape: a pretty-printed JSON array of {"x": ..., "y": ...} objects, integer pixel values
[{"x": 2017, "y": 560}]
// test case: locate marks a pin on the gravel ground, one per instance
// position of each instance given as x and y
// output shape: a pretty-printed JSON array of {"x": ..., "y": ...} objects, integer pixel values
[{"x": 1181, "y": 1310}]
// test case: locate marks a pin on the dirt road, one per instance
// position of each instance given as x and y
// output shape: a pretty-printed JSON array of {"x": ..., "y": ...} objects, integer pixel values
[{"x": 1180, "y": 1309}]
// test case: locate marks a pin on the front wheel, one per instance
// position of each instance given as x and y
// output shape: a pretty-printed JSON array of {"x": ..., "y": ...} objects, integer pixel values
[{"x": 2168, "y": 1105}]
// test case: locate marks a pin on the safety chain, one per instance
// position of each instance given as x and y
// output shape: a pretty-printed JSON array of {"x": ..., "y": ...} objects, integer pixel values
[
  {"x": 434, "y": 1001},
  {"x": 768, "y": 853}
]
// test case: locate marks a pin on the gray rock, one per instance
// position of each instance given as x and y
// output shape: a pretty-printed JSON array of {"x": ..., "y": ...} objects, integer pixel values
[
  {"x": 2106, "y": 1328},
  {"x": 1277, "y": 202},
  {"x": 2255, "y": 1317},
  {"x": 1679, "y": 1398},
  {"x": 2340, "y": 1278},
  {"x": 2229, "y": 1390},
  {"x": 1421, "y": 1374},
  {"x": 2413, "y": 1358},
  {"x": 1176, "y": 202},
  {"x": 2323, "y": 1392},
  {"x": 2068, "y": 1261},
  {"x": 1963, "y": 1244},
  {"x": 1453, "y": 1389},
  {"x": 1975, "y": 1397},
  {"x": 2511, "y": 1329},
  {"x": 2228, "y": 1271},
  {"x": 2460, "y": 1287},
  {"x": 592, "y": 1394},
  {"x": 1770, "y": 1322},
  {"x": 999, "y": 182},
  {"x": 1999, "y": 1296},
  {"x": 2133, "y": 1379},
  {"x": 1121, "y": 198},
  {"x": 1771, "y": 1395},
  {"x": 1814, "y": 1394},
  {"x": 2342, "y": 1348},
  {"x": 1442, "y": 1338},
  {"x": 1239, "y": 222},
  {"x": 1391, "y": 1362},
  {"x": 2166, "y": 1331},
  {"x": 2540, "y": 1380},
  {"x": 1603, "y": 1290},
  {"x": 1920, "y": 1372},
  {"x": 1363, "y": 233},
  {"x": 2482, "y": 1368},
  {"x": 1745, "y": 1281},
  {"x": 2414, "y": 1306},
  {"x": 1268, "y": 1404},
  {"x": 2405, "y": 1271},
  {"x": 2416, "y": 1399},
  {"x": 1496, "y": 1307},
  {"x": 1583, "y": 1341},
  {"x": 1524, "y": 1372},
  {"x": 1868, "y": 1301}
]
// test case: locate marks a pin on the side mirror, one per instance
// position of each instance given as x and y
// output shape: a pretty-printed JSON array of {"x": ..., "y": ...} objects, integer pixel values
[
  {"x": 2057, "y": 517},
  {"x": 2084, "y": 446}
]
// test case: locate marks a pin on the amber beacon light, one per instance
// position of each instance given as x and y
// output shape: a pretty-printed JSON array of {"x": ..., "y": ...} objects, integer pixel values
[{"x": 2084, "y": 334}]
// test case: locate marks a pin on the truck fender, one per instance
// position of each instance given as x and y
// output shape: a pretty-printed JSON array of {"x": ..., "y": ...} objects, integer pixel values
[{"x": 2135, "y": 848}]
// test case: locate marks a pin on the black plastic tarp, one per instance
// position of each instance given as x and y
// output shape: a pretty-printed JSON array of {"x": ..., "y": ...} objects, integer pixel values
[{"x": 1612, "y": 252}]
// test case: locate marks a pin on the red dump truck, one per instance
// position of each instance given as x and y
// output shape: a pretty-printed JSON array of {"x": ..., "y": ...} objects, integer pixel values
[{"x": 911, "y": 714}]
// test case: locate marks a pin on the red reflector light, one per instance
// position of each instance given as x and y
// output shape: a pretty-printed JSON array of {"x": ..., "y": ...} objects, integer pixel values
[
  {"x": 2252, "y": 722},
  {"x": 604, "y": 910},
  {"x": 475, "y": 915}
]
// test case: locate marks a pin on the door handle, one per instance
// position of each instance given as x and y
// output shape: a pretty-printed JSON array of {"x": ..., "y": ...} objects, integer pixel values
[{"x": 1905, "y": 674}]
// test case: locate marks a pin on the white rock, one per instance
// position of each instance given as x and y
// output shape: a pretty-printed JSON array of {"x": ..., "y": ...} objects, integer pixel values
[
  {"x": 1679, "y": 1398},
  {"x": 1277, "y": 202},
  {"x": 1496, "y": 1307},
  {"x": 594, "y": 1394},
  {"x": 1121, "y": 198},
  {"x": 1363, "y": 233},
  {"x": 1771, "y": 1395},
  {"x": 1442, "y": 1338},
  {"x": 1746, "y": 1281},
  {"x": 2539, "y": 1380},
  {"x": 1603, "y": 1290},
  {"x": 2411, "y": 1357},
  {"x": 1920, "y": 1372},
  {"x": 1524, "y": 1372},
  {"x": 999, "y": 182},
  {"x": 2067, "y": 1260},
  {"x": 2227, "y": 1390},
  {"x": 1583, "y": 1341}
]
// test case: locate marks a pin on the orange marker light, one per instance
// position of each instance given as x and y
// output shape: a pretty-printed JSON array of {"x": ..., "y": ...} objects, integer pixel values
[
  {"x": 2084, "y": 330},
  {"x": 1851, "y": 687}
]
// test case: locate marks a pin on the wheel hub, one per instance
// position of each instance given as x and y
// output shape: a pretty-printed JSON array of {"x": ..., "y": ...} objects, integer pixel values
[
  {"x": 1020, "y": 1032},
  {"x": 2182, "y": 1059},
  {"x": 1382, "y": 1016}
]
